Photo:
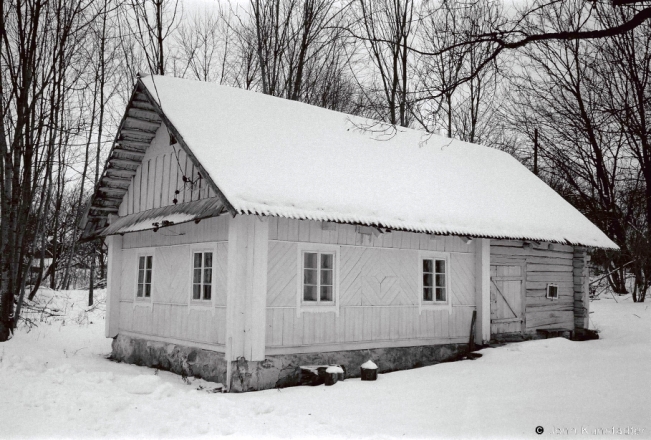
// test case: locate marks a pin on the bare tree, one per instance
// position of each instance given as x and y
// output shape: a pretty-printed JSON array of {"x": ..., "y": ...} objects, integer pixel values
[
  {"x": 205, "y": 41},
  {"x": 153, "y": 22},
  {"x": 300, "y": 49},
  {"x": 387, "y": 30},
  {"x": 38, "y": 48},
  {"x": 625, "y": 78},
  {"x": 566, "y": 90}
]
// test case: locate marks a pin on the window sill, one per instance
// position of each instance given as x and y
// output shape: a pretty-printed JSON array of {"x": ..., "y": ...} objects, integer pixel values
[
  {"x": 434, "y": 307},
  {"x": 317, "y": 309},
  {"x": 200, "y": 303},
  {"x": 143, "y": 302}
]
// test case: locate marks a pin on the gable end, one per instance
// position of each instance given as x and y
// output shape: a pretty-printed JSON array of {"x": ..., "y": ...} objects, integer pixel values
[{"x": 142, "y": 118}]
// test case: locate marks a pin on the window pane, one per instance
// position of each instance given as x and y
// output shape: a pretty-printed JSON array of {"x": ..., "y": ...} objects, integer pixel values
[
  {"x": 427, "y": 266},
  {"x": 427, "y": 280},
  {"x": 197, "y": 259},
  {"x": 309, "y": 293},
  {"x": 207, "y": 259},
  {"x": 440, "y": 280},
  {"x": 427, "y": 294},
  {"x": 196, "y": 291},
  {"x": 326, "y": 261},
  {"x": 326, "y": 293},
  {"x": 147, "y": 290},
  {"x": 326, "y": 277},
  {"x": 197, "y": 276},
  {"x": 440, "y": 294},
  {"x": 206, "y": 292},
  {"x": 148, "y": 276},
  {"x": 309, "y": 260},
  {"x": 141, "y": 263},
  {"x": 309, "y": 276},
  {"x": 440, "y": 266},
  {"x": 150, "y": 261},
  {"x": 207, "y": 276},
  {"x": 141, "y": 275},
  {"x": 139, "y": 294}
]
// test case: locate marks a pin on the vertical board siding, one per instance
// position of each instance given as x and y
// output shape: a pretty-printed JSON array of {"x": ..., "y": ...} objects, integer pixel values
[
  {"x": 168, "y": 313},
  {"x": 160, "y": 175},
  {"x": 378, "y": 287},
  {"x": 543, "y": 266}
]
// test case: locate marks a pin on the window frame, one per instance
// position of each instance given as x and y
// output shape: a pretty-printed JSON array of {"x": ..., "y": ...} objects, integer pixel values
[
  {"x": 548, "y": 296},
  {"x": 144, "y": 299},
  {"x": 203, "y": 248},
  {"x": 318, "y": 305},
  {"x": 434, "y": 304}
]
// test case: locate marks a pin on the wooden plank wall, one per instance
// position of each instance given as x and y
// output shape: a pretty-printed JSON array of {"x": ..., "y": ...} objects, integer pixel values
[
  {"x": 160, "y": 175},
  {"x": 169, "y": 315},
  {"x": 207, "y": 230},
  {"x": 378, "y": 290},
  {"x": 543, "y": 266}
]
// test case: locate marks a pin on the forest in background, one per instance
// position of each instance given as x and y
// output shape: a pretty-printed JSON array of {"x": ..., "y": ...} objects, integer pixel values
[{"x": 564, "y": 86}]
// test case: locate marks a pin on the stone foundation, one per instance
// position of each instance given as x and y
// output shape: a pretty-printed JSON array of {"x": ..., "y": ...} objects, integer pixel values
[
  {"x": 179, "y": 359},
  {"x": 281, "y": 371},
  {"x": 277, "y": 371}
]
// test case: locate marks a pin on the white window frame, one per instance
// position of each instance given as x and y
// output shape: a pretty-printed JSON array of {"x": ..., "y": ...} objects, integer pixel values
[
  {"x": 317, "y": 307},
  {"x": 143, "y": 299},
  {"x": 434, "y": 305},
  {"x": 202, "y": 303},
  {"x": 548, "y": 296}
]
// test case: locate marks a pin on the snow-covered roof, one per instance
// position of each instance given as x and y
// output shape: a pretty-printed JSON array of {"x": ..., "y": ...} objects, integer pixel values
[{"x": 272, "y": 156}]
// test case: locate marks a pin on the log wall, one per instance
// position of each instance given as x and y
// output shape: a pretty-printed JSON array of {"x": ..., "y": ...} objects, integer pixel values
[
  {"x": 543, "y": 266},
  {"x": 581, "y": 288}
]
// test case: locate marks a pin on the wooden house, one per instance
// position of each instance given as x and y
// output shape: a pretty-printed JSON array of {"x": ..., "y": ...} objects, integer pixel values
[{"x": 250, "y": 235}]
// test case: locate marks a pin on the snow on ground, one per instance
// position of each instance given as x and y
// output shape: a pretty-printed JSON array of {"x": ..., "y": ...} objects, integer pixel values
[{"x": 55, "y": 381}]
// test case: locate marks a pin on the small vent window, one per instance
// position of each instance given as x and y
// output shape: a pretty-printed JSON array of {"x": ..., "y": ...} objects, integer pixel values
[{"x": 552, "y": 291}]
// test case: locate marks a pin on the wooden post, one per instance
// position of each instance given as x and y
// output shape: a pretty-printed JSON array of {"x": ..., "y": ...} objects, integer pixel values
[
  {"x": 482, "y": 291},
  {"x": 246, "y": 289},
  {"x": 473, "y": 331},
  {"x": 535, "y": 152},
  {"x": 581, "y": 288},
  {"x": 113, "y": 285}
]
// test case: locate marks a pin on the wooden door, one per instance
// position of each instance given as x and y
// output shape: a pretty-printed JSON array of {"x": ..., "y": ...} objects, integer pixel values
[{"x": 507, "y": 299}]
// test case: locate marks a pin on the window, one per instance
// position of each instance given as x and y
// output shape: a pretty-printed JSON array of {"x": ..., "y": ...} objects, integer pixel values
[
  {"x": 434, "y": 281},
  {"x": 202, "y": 276},
  {"x": 145, "y": 266},
  {"x": 552, "y": 291},
  {"x": 434, "y": 285},
  {"x": 318, "y": 277}
]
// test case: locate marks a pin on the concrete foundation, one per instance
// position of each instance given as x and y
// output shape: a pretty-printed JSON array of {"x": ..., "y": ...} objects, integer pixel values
[{"x": 277, "y": 371}]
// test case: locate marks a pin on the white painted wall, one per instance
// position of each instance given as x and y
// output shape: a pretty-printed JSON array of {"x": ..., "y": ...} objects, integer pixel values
[
  {"x": 170, "y": 315},
  {"x": 370, "y": 315},
  {"x": 160, "y": 175}
]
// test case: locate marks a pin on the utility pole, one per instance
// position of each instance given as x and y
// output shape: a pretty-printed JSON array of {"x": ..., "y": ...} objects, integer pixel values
[{"x": 535, "y": 152}]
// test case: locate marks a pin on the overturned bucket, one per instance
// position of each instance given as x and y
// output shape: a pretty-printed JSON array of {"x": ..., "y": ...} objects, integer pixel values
[{"x": 369, "y": 370}]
